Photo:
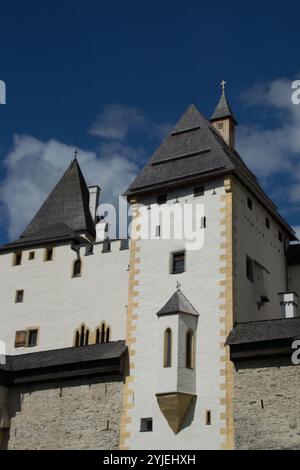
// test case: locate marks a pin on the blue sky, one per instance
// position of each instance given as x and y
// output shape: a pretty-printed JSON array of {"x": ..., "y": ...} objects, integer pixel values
[{"x": 111, "y": 77}]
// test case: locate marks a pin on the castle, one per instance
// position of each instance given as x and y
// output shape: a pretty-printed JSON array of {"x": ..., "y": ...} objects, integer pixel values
[{"x": 150, "y": 342}]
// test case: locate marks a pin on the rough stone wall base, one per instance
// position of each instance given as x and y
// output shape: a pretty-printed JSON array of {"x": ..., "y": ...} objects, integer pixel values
[{"x": 75, "y": 415}]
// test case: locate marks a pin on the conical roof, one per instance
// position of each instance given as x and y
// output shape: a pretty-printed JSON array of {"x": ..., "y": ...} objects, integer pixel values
[
  {"x": 65, "y": 209},
  {"x": 223, "y": 110},
  {"x": 177, "y": 303}
]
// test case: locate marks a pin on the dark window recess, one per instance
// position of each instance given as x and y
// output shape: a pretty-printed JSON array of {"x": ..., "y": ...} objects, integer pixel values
[
  {"x": 280, "y": 236},
  {"x": 177, "y": 262},
  {"x": 31, "y": 255},
  {"x": 20, "y": 338},
  {"x": 157, "y": 231},
  {"x": 220, "y": 125},
  {"x": 203, "y": 222},
  {"x": 124, "y": 244},
  {"x": 249, "y": 268},
  {"x": 267, "y": 222},
  {"x": 208, "y": 418},
  {"x": 189, "y": 350},
  {"x": 19, "y": 296},
  {"x": 17, "y": 258},
  {"x": 49, "y": 254},
  {"x": 77, "y": 268},
  {"x": 249, "y": 203},
  {"x": 106, "y": 246},
  {"x": 199, "y": 191},
  {"x": 146, "y": 425},
  {"x": 161, "y": 199},
  {"x": 167, "y": 348},
  {"x": 32, "y": 338}
]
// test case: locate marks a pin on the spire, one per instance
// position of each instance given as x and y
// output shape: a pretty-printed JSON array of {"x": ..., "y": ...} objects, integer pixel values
[
  {"x": 223, "y": 109},
  {"x": 223, "y": 119},
  {"x": 67, "y": 206}
]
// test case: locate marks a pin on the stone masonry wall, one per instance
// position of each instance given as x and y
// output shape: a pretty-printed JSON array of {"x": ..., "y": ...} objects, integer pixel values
[
  {"x": 267, "y": 404},
  {"x": 75, "y": 415}
]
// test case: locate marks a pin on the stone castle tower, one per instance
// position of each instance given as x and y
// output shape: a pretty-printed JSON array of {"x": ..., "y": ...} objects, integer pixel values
[{"x": 159, "y": 341}]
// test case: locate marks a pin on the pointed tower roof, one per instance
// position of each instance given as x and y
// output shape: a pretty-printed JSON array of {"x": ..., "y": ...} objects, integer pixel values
[
  {"x": 223, "y": 110},
  {"x": 195, "y": 152},
  {"x": 177, "y": 303},
  {"x": 65, "y": 213}
]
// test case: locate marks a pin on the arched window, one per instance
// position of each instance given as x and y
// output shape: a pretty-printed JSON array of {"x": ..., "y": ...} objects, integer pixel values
[
  {"x": 102, "y": 338},
  {"x": 82, "y": 335},
  {"x": 77, "y": 268},
  {"x": 87, "y": 335},
  {"x": 77, "y": 338},
  {"x": 167, "y": 347},
  {"x": 97, "y": 336},
  {"x": 107, "y": 334},
  {"x": 189, "y": 348}
]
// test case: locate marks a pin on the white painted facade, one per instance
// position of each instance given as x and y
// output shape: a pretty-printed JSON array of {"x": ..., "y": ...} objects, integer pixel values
[
  {"x": 57, "y": 303},
  {"x": 200, "y": 284},
  {"x": 262, "y": 245}
]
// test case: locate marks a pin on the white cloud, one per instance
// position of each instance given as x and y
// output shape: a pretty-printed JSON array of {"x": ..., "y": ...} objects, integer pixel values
[
  {"x": 272, "y": 149},
  {"x": 33, "y": 168},
  {"x": 115, "y": 121},
  {"x": 275, "y": 148}
]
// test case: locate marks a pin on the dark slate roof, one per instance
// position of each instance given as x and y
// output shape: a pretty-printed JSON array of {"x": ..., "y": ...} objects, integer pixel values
[
  {"x": 65, "y": 211},
  {"x": 194, "y": 151},
  {"x": 266, "y": 330},
  {"x": 178, "y": 303},
  {"x": 223, "y": 110},
  {"x": 293, "y": 254},
  {"x": 67, "y": 363}
]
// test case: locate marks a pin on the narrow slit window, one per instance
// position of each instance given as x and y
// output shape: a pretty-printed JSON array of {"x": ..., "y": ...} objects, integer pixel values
[
  {"x": 267, "y": 222},
  {"x": 249, "y": 268},
  {"x": 208, "y": 418},
  {"x": 97, "y": 336},
  {"x": 48, "y": 254},
  {"x": 249, "y": 203},
  {"x": 203, "y": 222},
  {"x": 31, "y": 255},
  {"x": 107, "y": 334},
  {"x": 157, "y": 231},
  {"x": 77, "y": 268},
  {"x": 167, "y": 348},
  {"x": 82, "y": 335},
  {"x": 102, "y": 337},
  {"x": 189, "y": 350},
  {"x": 77, "y": 339},
  {"x": 17, "y": 259},
  {"x": 87, "y": 335}
]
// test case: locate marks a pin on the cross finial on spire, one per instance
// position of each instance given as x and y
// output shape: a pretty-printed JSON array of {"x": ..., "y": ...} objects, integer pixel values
[
  {"x": 75, "y": 154},
  {"x": 223, "y": 83},
  {"x": 178, "y": 285}
]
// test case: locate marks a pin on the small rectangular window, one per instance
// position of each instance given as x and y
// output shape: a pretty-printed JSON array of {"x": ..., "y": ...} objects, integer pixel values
[
  {"x": 208, "y": 418},
  {"x": 177, "y": 262},
  {"x": 220, "y": 125},
  {"x": 249, "y": 268},
  {"x": 267, "y": 222},
  {"x": 249, "y": 203},
  {"x": 199, "y": 191},
  {"x": 280, "y": 236},
  {"x": 161, "y": 199},
  {"x": 17, "y": 260},
  {"x": 48, "y": 254},
  {"x": 20, "y": 338},
  {"x": 203, "y": 222},
  {"x": 157, "y": 231},
  {"x": 146, "y": 425},
  {"x": 32, "y": 338},
  {"x": 31, "y": 255},
  {"x": 19, "y": 296}
]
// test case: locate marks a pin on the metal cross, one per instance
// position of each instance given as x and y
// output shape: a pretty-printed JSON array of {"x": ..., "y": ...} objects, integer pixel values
[
  {"x": 223, "y": 83},
  {"x": 178, "y": 285}
]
